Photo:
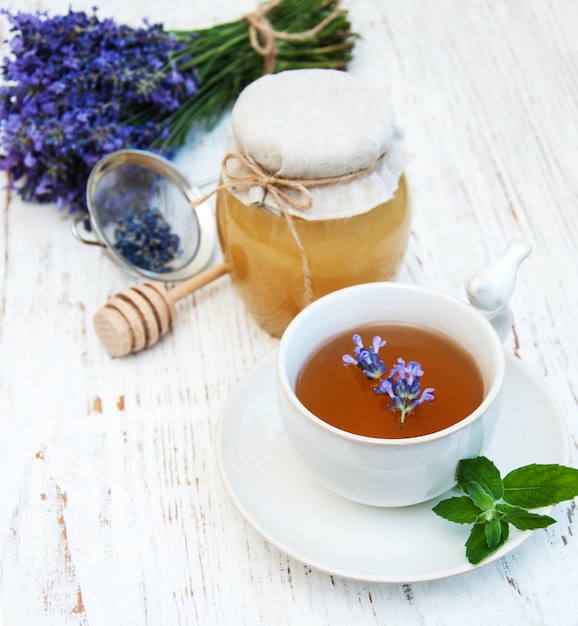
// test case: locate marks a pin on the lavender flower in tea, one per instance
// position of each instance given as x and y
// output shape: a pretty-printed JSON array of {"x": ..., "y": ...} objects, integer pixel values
[
  {"x": 403, "y": 384},
  {"x": 367, "y": 359}
]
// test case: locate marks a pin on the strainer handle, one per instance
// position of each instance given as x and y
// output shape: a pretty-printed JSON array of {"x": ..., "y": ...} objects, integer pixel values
[{"x": 76, "y": 232}]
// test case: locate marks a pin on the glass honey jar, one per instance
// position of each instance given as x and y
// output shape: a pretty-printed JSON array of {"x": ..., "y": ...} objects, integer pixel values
[{"x": 313, "y": 196}]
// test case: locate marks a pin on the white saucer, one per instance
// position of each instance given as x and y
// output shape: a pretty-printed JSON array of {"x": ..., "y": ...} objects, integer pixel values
[{"x": 287, "y": 506}]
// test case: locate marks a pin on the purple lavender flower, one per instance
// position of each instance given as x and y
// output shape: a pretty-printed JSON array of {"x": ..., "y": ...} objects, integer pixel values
[
  {"x": 404, "y": 389},
  {"x": 145, "y": 239},
  {"x": 367, "y": 359},
  {"x": 76, "y": 88},
  {"x": 403, "y": 383}
]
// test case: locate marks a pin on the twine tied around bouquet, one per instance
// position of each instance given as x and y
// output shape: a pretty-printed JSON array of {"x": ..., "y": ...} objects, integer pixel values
[
  {"x": 280, "y": 188},
  {"x": 263, "y": 36}
]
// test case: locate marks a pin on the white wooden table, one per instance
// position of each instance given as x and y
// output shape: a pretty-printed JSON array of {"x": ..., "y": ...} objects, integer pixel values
[{"x": 112, "y": 509}]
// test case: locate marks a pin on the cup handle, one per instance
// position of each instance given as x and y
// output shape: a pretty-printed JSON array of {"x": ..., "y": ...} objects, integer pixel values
[{"x": 502, "y": 322}]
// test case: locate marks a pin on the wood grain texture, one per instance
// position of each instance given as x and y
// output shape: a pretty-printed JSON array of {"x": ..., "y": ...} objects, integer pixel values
[{"x": 112, "y": 510}]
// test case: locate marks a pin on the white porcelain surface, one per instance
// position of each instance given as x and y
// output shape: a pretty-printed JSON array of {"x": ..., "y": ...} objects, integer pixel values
[
  {"x": 388, "y": 472},
  {"x": 289, "y": 508}
]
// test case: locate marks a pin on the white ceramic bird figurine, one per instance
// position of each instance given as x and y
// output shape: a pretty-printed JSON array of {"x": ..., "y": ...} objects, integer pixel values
[{"x": 489, "y": 290}]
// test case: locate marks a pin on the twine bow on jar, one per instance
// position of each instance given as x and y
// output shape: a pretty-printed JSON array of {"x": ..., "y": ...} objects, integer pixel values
[{"x": 251, "y": 174}]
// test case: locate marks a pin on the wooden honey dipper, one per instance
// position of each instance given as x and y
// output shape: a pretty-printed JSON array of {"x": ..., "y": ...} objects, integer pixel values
[{"x": 137, "y": 317}]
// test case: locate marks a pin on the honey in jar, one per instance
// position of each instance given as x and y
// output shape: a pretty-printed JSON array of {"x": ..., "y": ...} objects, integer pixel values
[{"x": 333, "y": 135}]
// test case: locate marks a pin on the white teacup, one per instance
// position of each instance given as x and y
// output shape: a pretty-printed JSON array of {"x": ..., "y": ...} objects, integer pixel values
[{"x": 387, "y": 472}]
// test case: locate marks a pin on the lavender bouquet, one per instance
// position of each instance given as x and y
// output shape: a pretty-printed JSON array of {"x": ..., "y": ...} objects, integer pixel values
[{"x": 76, "y": 87}]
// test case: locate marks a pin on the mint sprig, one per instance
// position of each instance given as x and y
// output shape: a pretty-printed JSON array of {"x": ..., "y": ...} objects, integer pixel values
[{"x": 491, "y": 503}]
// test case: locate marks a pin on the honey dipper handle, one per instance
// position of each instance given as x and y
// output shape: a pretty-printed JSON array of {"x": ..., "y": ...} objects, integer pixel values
[{"x": 196, "y": 282}]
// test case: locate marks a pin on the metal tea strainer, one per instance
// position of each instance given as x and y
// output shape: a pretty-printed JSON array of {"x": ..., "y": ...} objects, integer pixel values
[{"x": 140, "y": 210}]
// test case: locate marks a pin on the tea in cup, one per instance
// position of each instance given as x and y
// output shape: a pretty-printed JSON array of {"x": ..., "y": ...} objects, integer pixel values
[{"x": 341, "y": 365}]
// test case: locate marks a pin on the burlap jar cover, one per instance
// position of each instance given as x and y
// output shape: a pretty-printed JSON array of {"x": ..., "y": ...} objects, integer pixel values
[
  {"x": 314, "y": 145},
  {"x": 327, "y": 129}
]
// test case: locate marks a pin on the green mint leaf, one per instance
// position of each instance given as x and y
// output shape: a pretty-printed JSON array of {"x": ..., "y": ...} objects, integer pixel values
[
  {"x": 533, "y": 486},
  {"x": 493, "y": 532},
  {"x": 482, "y": 471},
  {"x": 480, "y": 497},
  {"x": 522, "y": 519},
  {"x": 459, "y": 510},
  {"x": 477, "y": 548}
]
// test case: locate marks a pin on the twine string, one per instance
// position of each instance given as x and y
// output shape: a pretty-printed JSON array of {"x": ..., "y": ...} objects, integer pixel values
[{"x": 263, "y": 36}]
